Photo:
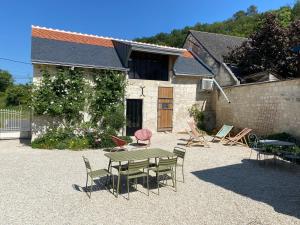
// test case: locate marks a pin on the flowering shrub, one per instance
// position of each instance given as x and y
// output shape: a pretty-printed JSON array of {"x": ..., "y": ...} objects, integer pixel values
[
  {"x": 61, "y": 95},
  {"x": 65, "y": 95}
]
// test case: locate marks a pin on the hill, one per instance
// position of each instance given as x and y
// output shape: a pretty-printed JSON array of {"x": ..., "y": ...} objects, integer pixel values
[{"x": 242, "y": 24}]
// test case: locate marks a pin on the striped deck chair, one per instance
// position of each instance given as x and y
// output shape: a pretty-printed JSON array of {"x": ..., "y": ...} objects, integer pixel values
[
  {"x": 222, "y": 133},
  {"x": 240, "y": 138},
  {"x": 196, "y": 136}
]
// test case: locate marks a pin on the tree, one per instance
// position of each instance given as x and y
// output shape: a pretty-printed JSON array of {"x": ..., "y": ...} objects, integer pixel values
[
  {"x": 239, "y": 14},
  {"x": 18, "y": 95},
  {"x": 6, "y": 80},
  {"x": 284, "y": 15},
  {"x": 252, "y": 10},
  {"x": 294, "y": 34},
  {"x": 296, "y": 10},
  {"x": 267, "y": 49}
]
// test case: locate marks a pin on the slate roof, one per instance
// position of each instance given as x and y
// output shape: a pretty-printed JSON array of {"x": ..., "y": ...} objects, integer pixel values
[
  {"x": 64, "y": 48},
  {"x": 57, "y": 47},
  {"x": 217, "y": 45},
  {"x": 187, "y": 64}
]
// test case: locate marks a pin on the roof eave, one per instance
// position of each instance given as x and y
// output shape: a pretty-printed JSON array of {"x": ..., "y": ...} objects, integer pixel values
[
  {"x": 40, "y": 62},
  {"x": 156, "y": 50},
  {"x": 193, "y": 75}
]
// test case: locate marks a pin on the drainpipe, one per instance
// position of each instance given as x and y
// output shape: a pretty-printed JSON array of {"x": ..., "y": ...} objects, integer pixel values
[{"x": 220, "y": 88}]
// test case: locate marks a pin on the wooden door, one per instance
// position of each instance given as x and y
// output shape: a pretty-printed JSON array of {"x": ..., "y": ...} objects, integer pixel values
[
  {"x": 165, "y": 109},
  {"x": 134, "y": 116}
]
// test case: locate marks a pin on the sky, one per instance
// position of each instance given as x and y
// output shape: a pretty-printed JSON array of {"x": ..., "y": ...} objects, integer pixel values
[{"x": 126, "y": 19}]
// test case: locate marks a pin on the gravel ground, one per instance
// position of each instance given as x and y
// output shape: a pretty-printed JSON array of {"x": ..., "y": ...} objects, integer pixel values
[{"x": 222, "y": 187}]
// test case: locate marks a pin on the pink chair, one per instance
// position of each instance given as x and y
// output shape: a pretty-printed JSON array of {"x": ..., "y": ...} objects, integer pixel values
[{"x": 143, "y": 135}]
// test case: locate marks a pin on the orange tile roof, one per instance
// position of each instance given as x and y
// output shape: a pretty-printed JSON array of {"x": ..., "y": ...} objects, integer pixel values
[
  {"x": 187, "y": 54},
  {"x": 71, "y": 37}
]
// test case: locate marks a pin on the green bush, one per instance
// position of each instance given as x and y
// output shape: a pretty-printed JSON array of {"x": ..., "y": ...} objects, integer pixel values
[
  {"x": 198, "y": 116},
  {"x": 69, "y": 139},
  {"x": 281, "y": 137}
]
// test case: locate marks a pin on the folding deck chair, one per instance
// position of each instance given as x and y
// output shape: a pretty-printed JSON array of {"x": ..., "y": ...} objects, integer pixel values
[
  {"x": 222, "y": 133},
  {"x": 240, "y": 138},
  {"x": 196, "y": 136}
]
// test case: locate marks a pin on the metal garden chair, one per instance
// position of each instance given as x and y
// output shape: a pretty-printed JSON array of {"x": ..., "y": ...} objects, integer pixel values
[
  {"x": 166, "y": 167},
  {"x": 180, "y": 153},
  {"x": 136, "y": 170},
  {"x": 95, "y": 174}
]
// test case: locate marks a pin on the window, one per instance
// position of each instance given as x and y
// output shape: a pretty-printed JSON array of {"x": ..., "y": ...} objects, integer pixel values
[{"x": 148, "y": 66}]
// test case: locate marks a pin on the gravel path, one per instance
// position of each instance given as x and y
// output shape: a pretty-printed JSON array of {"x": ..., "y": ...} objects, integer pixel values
[{"x": 222, "y": 187}]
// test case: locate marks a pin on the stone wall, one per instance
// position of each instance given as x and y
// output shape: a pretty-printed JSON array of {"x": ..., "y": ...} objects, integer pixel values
[
  {"x": 185, "y": 94},
  {"x": 267, "y": 108}
]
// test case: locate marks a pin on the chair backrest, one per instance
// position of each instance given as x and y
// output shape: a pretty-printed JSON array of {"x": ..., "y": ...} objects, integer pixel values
[
  {"x": 167, "y": 162},
  {"x": 224, "y": 131},
  {"x": 194, "y": 130},
  {"x": 118, "y": 141},
  {"x": 253, "y": 141},
  {"x": 143, "y": 134},
  {"x": 87, "y": 163},
  {"x": 137, "y": 165},
  {"x": 242, "y": 133},
  {"x": 179, "y": 152}
]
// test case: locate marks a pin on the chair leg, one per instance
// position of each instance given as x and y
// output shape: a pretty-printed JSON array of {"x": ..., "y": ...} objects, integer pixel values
[
  {"x": 91, "y": 187},
  {"x": 175, "y": 181},
  {"x": 113, "y": 183},
  {"x": 157, "y": 180},
  {"x": 86, "y": 183},
  {"x": 128, "y": 187},
  {"x": 148, "y": 183}
]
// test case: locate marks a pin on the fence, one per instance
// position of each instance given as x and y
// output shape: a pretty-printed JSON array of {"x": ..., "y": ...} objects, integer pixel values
[{"x": 14, "y": 124}]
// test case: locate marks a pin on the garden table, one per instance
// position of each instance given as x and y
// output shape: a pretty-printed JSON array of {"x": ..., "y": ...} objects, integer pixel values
[
  {"x": 277, "y": 143},
  {"x": 124, "y": 156}
]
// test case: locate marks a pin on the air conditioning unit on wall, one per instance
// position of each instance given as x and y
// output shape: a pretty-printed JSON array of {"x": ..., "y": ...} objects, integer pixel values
[{"x": 206, "y": 84}]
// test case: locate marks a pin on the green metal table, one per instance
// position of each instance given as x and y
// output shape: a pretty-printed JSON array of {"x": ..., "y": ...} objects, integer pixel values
[{"x": 124, "y": 156}]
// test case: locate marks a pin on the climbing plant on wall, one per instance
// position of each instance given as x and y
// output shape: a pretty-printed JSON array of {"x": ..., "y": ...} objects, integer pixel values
[
  {"x": 60, "y": 94},
  {"x": 65, "y": 94},
  {"x": 107, "y": 102}
]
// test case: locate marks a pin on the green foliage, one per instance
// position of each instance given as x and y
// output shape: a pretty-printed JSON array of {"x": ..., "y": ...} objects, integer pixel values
[
  {"x": 296, "y": 10},
  {"x": 107, "y": 103},
  {"x": 61, "y": 95},
  {"x": 60, "y": 138},
  {"x": 268, "y": 49},
  {"x": 65, "y": 95},
  {"x": 74, "y": 139},
  {"x": 6, "y": 80},
  {"x": 243, "y": 24},
  {"x": 198, "y": 116},
  {"x": 284, "y": 16},
  {"x": 18, "y": 95},
  {"x": 281, "y": 137}
]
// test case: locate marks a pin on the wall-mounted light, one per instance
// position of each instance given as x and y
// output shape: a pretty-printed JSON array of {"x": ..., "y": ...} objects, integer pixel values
[{"x": 142, "y": 88}]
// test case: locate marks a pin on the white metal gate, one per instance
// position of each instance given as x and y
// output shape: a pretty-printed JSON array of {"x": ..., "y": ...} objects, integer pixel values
[{"x": 14, "y": 124}]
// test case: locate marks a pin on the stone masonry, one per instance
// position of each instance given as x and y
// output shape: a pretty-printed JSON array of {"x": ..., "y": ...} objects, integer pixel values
[{"x": 267, "y": 108}]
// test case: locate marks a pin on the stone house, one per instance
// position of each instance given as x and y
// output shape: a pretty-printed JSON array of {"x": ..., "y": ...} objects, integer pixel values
[
  {"x": 163, "y": 82},
  {"x": 211, "y": 49}
]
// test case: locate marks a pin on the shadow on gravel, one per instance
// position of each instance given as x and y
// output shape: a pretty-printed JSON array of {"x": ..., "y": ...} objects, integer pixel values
[
  {"x": 274, "y": 183},
  {"x": 100, "y": 185}
]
